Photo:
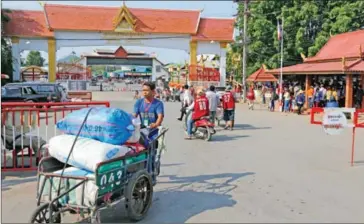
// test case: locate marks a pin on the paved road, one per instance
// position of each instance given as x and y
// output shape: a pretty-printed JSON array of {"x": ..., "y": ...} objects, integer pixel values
[{"x": 272, "y": 168}]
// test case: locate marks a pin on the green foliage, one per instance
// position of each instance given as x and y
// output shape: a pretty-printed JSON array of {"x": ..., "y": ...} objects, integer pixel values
[
  {"x": 6, "y": 57},
  {"x": 34, "y": 58},
  {"x": 308, "y": 24}
]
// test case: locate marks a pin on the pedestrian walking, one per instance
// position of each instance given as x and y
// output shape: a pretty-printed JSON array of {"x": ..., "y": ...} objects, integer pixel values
[
  {"x": 187, "y": 100},
  {"x": 228, "y": 104},
  {"x": 213, "y": 102}
]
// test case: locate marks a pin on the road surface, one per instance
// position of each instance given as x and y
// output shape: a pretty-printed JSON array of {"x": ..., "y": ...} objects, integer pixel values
[{"x": 272, "y": 168}]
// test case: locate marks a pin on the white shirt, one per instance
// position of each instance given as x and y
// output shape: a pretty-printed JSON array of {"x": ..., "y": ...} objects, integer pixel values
[
  {"x": 190, "y": 107},
  {"x": 64, "y": 96},
  {"x": 187, "y": 98},
  {"x": 213, "y": 100}
]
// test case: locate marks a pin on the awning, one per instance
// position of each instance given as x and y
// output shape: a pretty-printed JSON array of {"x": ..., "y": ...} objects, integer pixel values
[{"x": 261, "y": 76}]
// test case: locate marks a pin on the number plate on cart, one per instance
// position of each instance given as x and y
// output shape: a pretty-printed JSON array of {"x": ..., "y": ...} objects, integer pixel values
[{"x": 111, "y": 176}]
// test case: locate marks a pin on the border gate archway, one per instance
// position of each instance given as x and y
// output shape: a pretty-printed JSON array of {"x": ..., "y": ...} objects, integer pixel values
[{"x": 57, "y": 26}]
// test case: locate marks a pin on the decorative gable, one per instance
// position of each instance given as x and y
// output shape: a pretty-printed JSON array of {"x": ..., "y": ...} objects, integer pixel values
[
  {"x": 124, "y": 21},
  {"x": 121, "y": 52}
]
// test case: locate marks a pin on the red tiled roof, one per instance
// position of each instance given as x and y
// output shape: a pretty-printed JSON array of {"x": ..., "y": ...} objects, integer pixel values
[
  {"x": 328, "y": 67},
  {"x": 358, "y": 66},
  {"x": 261, "y": 76},
  {"x": 97, "y": 18},
  {"x": 215, "y": 29},
  {"x": 121, "y": 52},
  {"x": 27, "y": 23},
  {"x": 341, "y": 45},
  {"x": 71, "y": 17}
]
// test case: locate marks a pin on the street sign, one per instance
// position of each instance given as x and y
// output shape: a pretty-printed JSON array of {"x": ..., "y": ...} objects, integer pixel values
[{"x": 334, "y": 122}]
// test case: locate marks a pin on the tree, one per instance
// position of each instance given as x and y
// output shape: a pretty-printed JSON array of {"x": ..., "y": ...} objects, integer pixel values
[
  {"x": 308, "y": 24},
  {"x": 34, "y": 58},
  {"x": 6, "y": 56}
]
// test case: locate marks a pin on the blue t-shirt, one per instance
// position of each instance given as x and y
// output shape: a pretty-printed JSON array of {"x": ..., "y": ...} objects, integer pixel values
[{"x": 148, "y": 110}]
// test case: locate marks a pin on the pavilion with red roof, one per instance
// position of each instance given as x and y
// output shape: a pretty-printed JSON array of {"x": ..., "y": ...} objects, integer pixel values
[
  {"x": 343, "y": 54},
  {"x": 261, "y": 76},
  {"x": 57, "y": 26}
]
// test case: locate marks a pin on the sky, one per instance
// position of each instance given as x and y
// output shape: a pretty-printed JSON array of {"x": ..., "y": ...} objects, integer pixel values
[{"x": 217, "y": 9}]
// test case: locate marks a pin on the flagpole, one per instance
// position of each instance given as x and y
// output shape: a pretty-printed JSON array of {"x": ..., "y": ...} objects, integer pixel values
[{"x": 281, "y": 72}]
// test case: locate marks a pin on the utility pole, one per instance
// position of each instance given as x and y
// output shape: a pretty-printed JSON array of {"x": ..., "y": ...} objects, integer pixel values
[{"x": 245, "y": 43}]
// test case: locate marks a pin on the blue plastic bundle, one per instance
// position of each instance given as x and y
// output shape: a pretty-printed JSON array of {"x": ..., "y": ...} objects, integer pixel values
[
  {"x": 109, "y": 125},
  {"x": 332, "y": 104}
]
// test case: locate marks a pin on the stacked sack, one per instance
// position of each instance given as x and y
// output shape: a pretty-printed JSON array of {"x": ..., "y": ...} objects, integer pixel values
[{"x": 102, "y": 137}]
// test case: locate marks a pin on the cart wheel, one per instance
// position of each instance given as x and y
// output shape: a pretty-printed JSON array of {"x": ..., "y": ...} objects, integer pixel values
[
  {"x": 41, "y": 215},
  {"x": 138, "y": 195}
]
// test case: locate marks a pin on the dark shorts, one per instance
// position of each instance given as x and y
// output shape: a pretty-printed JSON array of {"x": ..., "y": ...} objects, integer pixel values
[{"x": 229, "y": 115}]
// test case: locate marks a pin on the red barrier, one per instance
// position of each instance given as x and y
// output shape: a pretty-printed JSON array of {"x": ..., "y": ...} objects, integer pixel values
[
  {"x": 21, "y": 147},
  {"x": 357, "y": 115},
  {"x": 357, "y": 123},
  {"x": 314, "y": 111}
]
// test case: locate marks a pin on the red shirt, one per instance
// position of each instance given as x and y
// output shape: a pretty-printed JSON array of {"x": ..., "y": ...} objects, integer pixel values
[
  {"x": 228, "y": 101},
  {"x": 251, "y": 95},
  {"x": 201, "y": 108}
]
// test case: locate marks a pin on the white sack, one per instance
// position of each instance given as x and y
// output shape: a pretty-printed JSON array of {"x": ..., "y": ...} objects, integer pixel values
[
  {"x": 75, "y": 196},
  {"x": 86, "y": 154},
  {"x": 136, "y": 134}
]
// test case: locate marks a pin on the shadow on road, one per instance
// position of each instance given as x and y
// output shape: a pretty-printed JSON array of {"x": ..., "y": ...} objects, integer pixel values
[
  {"x": 172, "y": 164},
  {"x": 209, "y": 181},
  {"x": 249, "y": 127},
  {"x": 223, "y": 138},
  {"x": 175, "y": 205},
  {"x": 10, "y": 179},
  {"x": 180, "y": 206}
]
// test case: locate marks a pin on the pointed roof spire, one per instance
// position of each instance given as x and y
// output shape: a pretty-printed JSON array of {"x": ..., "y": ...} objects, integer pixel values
[{"x": 124, "y": 14}]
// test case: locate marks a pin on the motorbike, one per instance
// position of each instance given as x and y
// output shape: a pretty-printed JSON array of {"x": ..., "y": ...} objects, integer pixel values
[{"x": 202, "y": 128}]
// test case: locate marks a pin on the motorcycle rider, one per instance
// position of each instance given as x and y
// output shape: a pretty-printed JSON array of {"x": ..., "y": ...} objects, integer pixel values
[{"x": 200, "y": 108}]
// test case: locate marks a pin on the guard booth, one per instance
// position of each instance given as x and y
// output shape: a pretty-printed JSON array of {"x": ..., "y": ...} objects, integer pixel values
[{"x": 77, "y": 85}]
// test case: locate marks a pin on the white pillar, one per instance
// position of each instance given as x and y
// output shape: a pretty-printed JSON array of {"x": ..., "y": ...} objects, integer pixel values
[
  {"x": 15, "y": 52},
  {"x": 154, "y": 70},
  {"x": 222, "y": 67}
]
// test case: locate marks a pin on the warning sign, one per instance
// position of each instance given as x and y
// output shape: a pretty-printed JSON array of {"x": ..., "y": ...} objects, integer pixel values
[{"x": 334, "y": 122}]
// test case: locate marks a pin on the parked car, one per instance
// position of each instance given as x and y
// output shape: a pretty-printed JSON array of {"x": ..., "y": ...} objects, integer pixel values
[
  {"x": 21, "y": 94},
  {"x": 51, "y": 90}
]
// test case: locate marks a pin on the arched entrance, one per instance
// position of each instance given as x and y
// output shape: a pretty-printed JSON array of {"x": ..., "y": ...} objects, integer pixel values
[
  {"x": 50, "y": 29},
  {"x": 33, "y": 73}
]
